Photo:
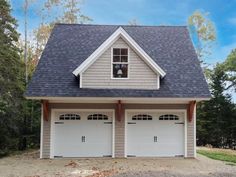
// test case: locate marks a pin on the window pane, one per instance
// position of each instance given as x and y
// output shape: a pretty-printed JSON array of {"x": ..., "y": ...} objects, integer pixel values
[
  {"x": 124, "y": 58},
  {"x": 124, "y": 51},
  {"x": 116, "y": 58},
  {"x": 120, "y": 70},
  {"x": 116, "y": 67},
  {"x": 116, "y": 51}
]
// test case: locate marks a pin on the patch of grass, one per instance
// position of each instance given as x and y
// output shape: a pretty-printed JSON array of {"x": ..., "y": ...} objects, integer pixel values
[
  {"x": 223, "y": 156},
  {"x": 13, "y": 153},
  {"x": 231, "y": 164}
]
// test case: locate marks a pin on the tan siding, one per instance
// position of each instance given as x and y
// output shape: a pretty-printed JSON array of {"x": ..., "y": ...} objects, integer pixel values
[
  {"x": 120, "y": 137},
  {"x": 191, "y": 136},
  {"x": 155, "y": 106},
  {"x": 81, "y": 106},
  {"x": 46, "y": 138},
  {"x": 98, "y": 75},
  {"x": 119, "y": 125},
  {"x": 190, "y": 139}
]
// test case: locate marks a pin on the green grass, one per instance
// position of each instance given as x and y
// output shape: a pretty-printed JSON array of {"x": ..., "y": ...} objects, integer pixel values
[
  {"x": 231, "y": 164},
  {"x": 223, "y": 156},
  {"x": 13, "y": 153}
]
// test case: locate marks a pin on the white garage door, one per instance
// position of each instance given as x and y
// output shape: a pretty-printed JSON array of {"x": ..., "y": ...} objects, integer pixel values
[
  {"x": 83, "y": 134},
  {"x": 151, "y": 134}
]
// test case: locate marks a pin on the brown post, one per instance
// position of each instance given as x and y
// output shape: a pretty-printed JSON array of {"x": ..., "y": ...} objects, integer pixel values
[
  {"x": 191, "y": 110},
  {"x": 119, "y": 110},
  {"x": 45, "y": 110}
]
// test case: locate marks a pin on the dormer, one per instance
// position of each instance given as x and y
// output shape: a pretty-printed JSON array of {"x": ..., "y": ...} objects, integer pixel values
[{"x": 119, "y": 63}]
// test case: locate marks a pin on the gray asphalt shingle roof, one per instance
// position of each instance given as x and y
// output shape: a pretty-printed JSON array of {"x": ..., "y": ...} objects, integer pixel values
[{"x": 69, "y": 45}]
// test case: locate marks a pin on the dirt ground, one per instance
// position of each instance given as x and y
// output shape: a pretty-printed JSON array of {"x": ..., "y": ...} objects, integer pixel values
[{"x": 29, "y": 165}]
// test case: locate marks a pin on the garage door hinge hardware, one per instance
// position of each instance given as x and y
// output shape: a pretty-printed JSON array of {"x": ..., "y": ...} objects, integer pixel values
[
  {"x": 107, "y": 155},
  {"x": 107, "y": 122},
  {"x": 131, "y": 155},
  {"x": 155, "y": 139},
  {"x": 59, "y": 122},
  {"x": 179, "y": 123},
  {"x": 131, "y": 122},
  {"x": 83, "y": 139}
]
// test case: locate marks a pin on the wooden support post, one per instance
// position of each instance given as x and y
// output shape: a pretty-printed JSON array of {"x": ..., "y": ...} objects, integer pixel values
[
  {"x": 119, "y": 110},
  {"x": 45, "y": 110},
  {"x": 190, "y": 110}
]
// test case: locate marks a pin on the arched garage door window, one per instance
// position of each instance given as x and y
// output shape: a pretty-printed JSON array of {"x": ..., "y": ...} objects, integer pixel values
[
  {"x": 142, "y": 117},
  {"x": 169, "y": 117},
  {"x": 97, "y": 117},
  {"x": 69, "y": 117}
]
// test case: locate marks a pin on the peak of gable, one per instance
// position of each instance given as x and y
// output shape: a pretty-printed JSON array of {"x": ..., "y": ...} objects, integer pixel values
[{"x": 120, "y": 32}]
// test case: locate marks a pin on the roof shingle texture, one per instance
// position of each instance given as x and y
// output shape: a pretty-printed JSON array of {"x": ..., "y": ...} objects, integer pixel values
[{"x": 69, "y": 45}]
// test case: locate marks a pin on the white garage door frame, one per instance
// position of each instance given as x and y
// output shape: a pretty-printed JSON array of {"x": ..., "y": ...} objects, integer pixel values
[
  {"x": 158, "y": 110},
  {"x": 54, "y": 112}
]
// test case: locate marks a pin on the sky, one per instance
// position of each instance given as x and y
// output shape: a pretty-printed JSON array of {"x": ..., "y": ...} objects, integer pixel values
[{"x": 152, "y": 12}]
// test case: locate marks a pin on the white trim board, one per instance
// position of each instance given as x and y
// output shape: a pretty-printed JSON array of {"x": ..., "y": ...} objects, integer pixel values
[
  {"x": 194, "y": 132},
  {"x": 120, "y": 32},
  {"x": 136, "y": 100},
  {"x": 41, "y": 133}
]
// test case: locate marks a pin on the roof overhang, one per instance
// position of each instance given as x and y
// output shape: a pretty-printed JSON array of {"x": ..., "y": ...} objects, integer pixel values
[
  {"x": 120, "y": 32},
  {"x": 136, "y": 100}
]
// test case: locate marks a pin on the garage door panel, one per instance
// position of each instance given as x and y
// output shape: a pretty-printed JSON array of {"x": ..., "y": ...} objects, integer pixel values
[
  {"x": 86, "y": 137},
  {"x": 157, "y": 137}
]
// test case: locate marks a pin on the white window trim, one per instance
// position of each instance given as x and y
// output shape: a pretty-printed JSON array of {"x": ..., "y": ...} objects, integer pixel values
[
  {"x": 120, "y": 32},
  {"x": 128, "y": 63}
]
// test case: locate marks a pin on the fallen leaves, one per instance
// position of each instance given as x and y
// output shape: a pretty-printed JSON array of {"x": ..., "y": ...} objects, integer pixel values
[
  {"x": 104, "y": 173},
  {"x": 71, "y": 164}
]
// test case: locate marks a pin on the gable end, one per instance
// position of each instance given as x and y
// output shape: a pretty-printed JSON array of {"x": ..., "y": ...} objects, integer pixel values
[
  {"x": 100, "y": 73},
  {"x": 120, "y": 32}
]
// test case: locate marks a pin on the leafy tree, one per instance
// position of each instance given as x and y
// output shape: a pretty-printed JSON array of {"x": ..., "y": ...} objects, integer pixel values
[
  {"x": 216, "y": 123},
  {"x": 203, "y": 33},
  {"x": 56, "y": 11},
  {"x": 11, "y": 79},
  {"x": 230, "y": 68},
  {"x": 68, "y": 11},
  {"x": 14, "y": 109},
  {"x": 133, "y": 22}
]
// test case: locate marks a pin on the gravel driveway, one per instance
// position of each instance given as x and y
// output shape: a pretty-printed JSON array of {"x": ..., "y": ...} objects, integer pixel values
[{"x": 29, "y": 165}]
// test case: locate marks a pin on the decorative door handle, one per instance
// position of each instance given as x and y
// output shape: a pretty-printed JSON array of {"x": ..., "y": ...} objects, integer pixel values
[
  {"x": 155, "y": 139},
  {"x": 83, "y": 139}
]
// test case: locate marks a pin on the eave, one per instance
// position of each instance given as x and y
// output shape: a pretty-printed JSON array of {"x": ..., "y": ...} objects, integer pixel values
[{"x": 136, "y": 100}]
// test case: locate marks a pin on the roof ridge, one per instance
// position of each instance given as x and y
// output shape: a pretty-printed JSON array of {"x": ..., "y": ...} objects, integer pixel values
[{"x": 184, "y": 26}]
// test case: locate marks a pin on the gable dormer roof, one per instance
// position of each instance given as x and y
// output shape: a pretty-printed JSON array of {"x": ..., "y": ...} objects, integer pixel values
[{"x": 120, "y": 32}]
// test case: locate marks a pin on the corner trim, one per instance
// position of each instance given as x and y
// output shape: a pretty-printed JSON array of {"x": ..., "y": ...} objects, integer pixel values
[
  {"x": 81, "y": 80},
  {"x": 194, "y": 132},
  {"x": 41, "y": 133}
]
